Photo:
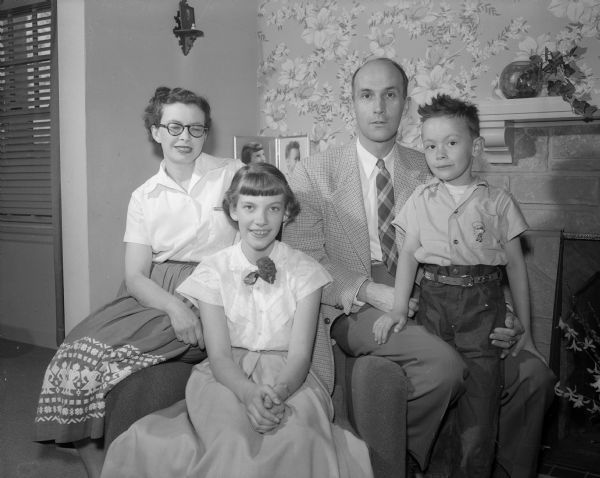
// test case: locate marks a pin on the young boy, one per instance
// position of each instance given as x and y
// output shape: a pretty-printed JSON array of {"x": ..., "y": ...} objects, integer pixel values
[{"x": 462, "y": 230}]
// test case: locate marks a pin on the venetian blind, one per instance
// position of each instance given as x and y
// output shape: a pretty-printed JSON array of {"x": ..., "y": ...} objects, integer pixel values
[{"x": 25, "y": 87}]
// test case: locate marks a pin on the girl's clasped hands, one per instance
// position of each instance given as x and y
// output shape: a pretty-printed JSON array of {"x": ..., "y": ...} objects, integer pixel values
[{"x": 265, "y": 407}]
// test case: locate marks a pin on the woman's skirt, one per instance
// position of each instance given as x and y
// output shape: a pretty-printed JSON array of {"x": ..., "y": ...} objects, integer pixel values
[{"x": 112, "y": 343}]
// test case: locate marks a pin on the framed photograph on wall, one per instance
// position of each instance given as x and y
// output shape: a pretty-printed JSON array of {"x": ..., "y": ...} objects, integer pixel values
[
  {"x": 250, "y": 146},
  {"x": 290, "y": 150}
]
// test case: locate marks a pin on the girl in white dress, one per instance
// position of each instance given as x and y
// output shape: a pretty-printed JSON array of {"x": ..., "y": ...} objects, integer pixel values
[{"x": 254, "y": 408}]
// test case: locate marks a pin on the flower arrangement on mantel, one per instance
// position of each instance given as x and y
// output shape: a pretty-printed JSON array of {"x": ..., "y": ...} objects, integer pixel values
[
  {"x": 561, "y": 56},
  {"x": 561, "y": 74},
  {"x": 589, "y": 346}
]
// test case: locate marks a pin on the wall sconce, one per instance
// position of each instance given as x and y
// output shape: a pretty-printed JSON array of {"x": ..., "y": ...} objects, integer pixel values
[{"x": 185, "y": 27}]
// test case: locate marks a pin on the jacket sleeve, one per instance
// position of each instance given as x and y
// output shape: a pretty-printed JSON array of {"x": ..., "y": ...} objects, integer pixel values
[{"x": 311, "y": 232}]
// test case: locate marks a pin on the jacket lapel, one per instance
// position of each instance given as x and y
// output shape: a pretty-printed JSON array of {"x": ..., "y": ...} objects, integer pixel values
[
  {"x": 410, "y": 170},
  {"x": 348, "y": 202}
]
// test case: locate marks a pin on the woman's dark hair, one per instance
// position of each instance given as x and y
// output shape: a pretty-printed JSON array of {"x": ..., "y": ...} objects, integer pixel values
[
  {"x": 291, "y": 145},
  {"x": 167, "y": 96},
  {"x": 260, "y": 179},
  {"x": 248, "y": 150}
]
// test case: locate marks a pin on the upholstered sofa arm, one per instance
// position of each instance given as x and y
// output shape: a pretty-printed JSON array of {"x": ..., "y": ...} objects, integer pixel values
[
  {"x": 142, "y": 393},
  {"x": 370, "y": 397},
  {"x": 378, "y": 412}
]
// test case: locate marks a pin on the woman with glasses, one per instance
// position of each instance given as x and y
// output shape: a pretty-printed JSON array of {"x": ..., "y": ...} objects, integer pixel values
[{"x": 174, "y": 220}]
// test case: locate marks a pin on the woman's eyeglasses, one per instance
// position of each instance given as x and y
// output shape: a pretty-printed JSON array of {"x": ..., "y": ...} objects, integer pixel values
[{"x": 195, "y": 130}]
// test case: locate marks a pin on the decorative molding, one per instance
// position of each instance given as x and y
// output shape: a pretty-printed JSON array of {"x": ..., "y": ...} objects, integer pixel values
[{"x": 495, "y": 114}]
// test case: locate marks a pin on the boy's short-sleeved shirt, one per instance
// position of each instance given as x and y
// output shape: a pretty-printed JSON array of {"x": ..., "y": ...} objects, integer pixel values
[
  {"x": 183, "y": 225},
  {"x": 472, "y": 232}
]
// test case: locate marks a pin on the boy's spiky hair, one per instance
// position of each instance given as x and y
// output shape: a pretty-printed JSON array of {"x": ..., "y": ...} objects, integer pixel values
[{"x": 445, "y": 105}]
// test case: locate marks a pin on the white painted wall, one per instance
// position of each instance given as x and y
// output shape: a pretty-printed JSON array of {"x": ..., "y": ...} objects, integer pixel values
[{"x": 73, "y": 152}]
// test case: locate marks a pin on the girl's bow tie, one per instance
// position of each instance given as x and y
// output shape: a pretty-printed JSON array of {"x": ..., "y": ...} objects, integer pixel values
[{"x": 266, "y": 271}]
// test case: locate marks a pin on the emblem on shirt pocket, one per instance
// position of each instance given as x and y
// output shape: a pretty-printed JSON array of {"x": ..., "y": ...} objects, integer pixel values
[{"x": 478, "y": 231}]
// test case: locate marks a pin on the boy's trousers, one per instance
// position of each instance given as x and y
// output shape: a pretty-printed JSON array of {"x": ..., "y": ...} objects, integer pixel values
[{"x": 463, "y": 305}]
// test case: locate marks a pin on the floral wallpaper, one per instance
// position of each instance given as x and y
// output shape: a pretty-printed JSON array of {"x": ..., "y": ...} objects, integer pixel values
[{"x": 311, "y": 48}]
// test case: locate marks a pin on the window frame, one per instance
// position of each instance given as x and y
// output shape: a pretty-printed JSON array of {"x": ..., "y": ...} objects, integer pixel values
[
  {"x": 45, "y": 226},
  {"x": 27, "y": 74}
]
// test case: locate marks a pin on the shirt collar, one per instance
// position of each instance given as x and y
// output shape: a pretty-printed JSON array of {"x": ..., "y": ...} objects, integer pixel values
[
  {"x": 160, "y": 179},
  {"x": 368, "y": 162},
  {"x": 435, "y": 183},
  {"x": 239, "y": 262},
  {"x": 203, "y": 164}
]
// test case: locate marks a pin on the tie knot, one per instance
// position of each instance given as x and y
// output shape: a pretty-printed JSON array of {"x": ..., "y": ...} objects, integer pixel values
[{"x": 380, "y": 164}]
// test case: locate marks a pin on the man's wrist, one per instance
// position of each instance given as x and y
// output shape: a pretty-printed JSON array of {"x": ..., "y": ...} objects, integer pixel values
[{"x": 362, "y": 294}]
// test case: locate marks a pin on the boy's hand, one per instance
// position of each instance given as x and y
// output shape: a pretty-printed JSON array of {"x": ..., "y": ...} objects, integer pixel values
[{"x": 382, "y": 326}]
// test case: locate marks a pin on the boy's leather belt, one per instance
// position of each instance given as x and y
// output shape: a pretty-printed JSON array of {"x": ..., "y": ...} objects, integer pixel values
[{"x": 463, "y": 281}]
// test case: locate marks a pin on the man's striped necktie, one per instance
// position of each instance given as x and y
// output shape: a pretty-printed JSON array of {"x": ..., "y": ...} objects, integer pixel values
[{"x": 385, "y": 206}]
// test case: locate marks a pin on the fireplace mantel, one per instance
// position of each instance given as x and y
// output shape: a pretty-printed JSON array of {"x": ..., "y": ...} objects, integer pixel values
[{"x": 494, "y": 114}]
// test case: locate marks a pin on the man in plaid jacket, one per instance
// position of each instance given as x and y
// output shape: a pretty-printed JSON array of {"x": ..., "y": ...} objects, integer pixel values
[{"x": 338, "y": 226}]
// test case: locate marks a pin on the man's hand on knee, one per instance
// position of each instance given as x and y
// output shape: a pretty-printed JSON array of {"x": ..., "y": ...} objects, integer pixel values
[
  {"x": 506, "y": 337},
  {"x": 413, "y": 307}
]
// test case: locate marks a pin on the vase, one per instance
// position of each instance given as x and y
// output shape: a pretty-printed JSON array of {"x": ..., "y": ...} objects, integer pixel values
[{"x": 521, "y": 79}]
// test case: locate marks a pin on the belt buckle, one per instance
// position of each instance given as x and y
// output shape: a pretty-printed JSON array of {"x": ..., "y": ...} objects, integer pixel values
[{"x": 468, "y": 281}]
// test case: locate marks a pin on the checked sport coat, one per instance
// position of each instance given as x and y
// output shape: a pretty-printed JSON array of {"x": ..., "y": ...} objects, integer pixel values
[{"x": 332, "y": 228}]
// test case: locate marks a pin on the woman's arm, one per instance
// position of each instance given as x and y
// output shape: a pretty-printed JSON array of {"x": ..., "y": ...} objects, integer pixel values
[
  {"x": 138, "y": 261},
  {"x": 516, "y": 271},
  {"x": 302, "y": 340},
  {"x": 228, "y": 373}
]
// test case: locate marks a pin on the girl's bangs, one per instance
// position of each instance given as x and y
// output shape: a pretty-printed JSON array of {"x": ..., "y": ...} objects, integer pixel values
[{"x": 260, "y": 185}]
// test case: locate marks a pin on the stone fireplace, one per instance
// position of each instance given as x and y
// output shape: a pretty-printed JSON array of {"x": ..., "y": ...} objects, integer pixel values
[{"x": 550, "y": 161}]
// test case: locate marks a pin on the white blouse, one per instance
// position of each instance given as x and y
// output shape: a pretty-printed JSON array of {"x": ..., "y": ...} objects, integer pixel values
[
  {"x": 183, "y": 225},
  {"x": 259, "y": 316}
]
